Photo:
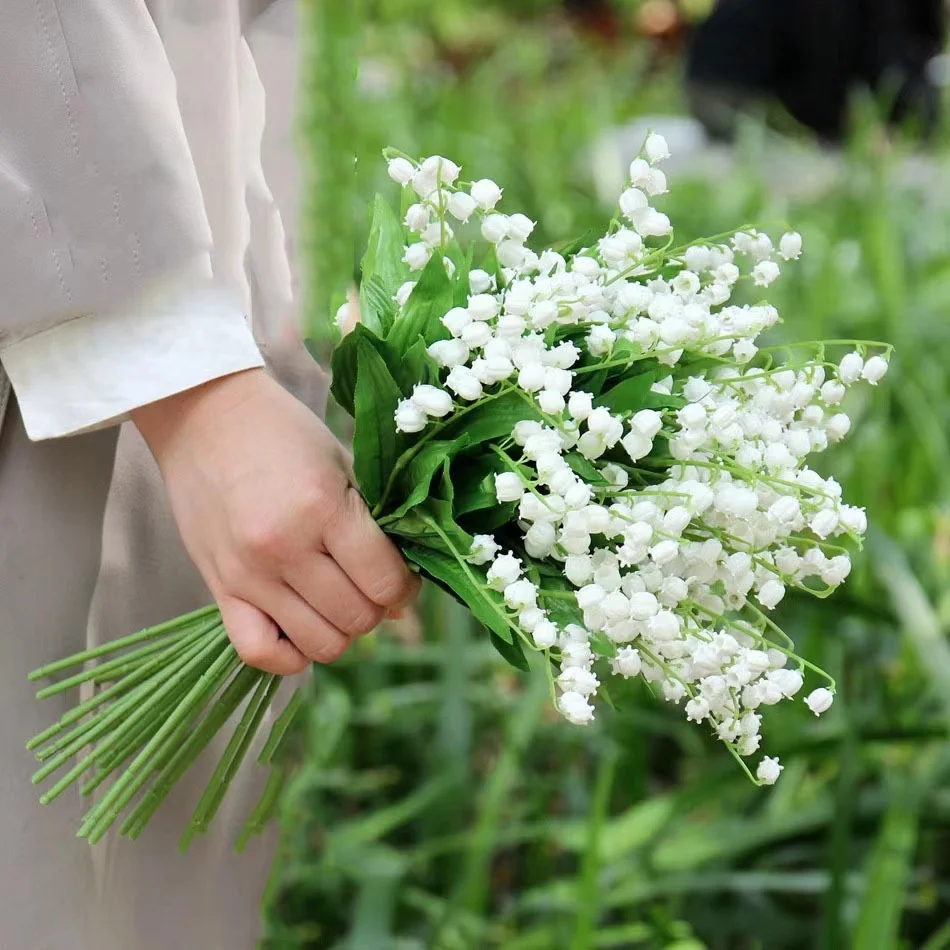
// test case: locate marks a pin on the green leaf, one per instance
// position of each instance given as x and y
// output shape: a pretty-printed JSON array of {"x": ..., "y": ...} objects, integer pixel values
[
  {"x": 415, "y": 366},
  {"x": 420, "y": 471},
  {"x": 493, "y": 419},
  {"x": 629, "y": 395},
  {"x": 569, "y": 249},
  {"x": 382, "y": 264},
  {"x": 430, "y": 300},
  {"x": 585, "y": 468},
  {"x": 376, "y": 445},
  {"x": 491, "y": 266},
  {"x": 889, "y": 868},
  {"x": 487, "y": 605},
  {"x": 377, "y": 307},
  {"x": 511, "y": 651},
  {"x": 463, "y": 266},
  {"x": 343, "y": 365}
]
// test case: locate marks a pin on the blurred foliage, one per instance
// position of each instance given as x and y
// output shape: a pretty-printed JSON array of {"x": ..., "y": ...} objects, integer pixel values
[{"x": 442, "y": 804}]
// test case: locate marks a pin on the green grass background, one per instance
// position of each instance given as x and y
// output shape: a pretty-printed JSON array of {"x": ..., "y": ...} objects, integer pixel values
[{"x": 440, "y": 804}]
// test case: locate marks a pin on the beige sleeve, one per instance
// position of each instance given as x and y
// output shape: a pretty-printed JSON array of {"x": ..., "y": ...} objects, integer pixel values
[{"x": 106, "y": 295}]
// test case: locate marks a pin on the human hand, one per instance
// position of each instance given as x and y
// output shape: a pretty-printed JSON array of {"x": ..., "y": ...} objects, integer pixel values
[{"x": 265, "y": 502}]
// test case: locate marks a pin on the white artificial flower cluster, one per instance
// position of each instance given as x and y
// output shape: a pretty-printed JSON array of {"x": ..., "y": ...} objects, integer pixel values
[{"x": 704, "y": 511}]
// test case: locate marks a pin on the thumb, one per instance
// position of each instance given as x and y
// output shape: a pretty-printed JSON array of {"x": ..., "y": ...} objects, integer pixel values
[{"x": 258, "y": 640}]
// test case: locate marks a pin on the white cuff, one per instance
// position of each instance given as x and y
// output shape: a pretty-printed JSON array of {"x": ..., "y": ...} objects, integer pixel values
[{"x": 92, "y": 371}]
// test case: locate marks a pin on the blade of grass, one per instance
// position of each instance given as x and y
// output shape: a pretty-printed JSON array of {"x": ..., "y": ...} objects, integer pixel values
[{"x": 588, "y": 885}]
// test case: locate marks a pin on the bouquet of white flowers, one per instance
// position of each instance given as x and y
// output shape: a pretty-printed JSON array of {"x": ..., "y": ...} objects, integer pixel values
[{"x": 585, "y": 446}]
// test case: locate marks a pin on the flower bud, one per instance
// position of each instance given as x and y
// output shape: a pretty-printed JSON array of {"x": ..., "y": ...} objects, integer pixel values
[
  {"x": 409, "y": 417},
  {"x": 521, "y": 594},
  {"x": 874, "y": 369},
  {"x": 647, "y": 422},
  {"x": 486, "y": 194},
  {"x": 850, "y": 368},
  {"x": 416, "y": 256},
  {"x": 401, "y": 170},
  {"x": 539, "y": 539},
  {"x": 788, "y": 681},
  {"x": 765, "y": 273},
  {"x": 590, "y": 596},
  {"x": 655, "y": 148},
  {"x": 442, "y": 169},
  {"x": 508, "y": 487},
  {"x": 819, "y": 700},
  {"x": 643, "y": 606},
  {"x": 790, "y": 246},
  {"x": 505, "y": 570},
  {"x": 477, "y": 335},
  {"x": 449, "y": 353},
  {"x": 402, "y": 295},
  {"x": 456, "y": 320},
  {"x": 461, "y": 205},
  {"x": 575, "y": 708},
  {"x": 697, "y": 709},
  {"x": 432, "y": 401},
  {"x": 483, "y": 549},
  {"x": 639, "y": 172},
  {"x": 495, "y": 228},
  {"x": 550, "y": 402},
  {"x": 627, "y": 662},
  {"x": 771, "y": 594},
  {"x": 464, "y": 383},
  {"x": 636, "y": 446},
  {"x": 633, "y": 201},
  {"x": 520, "y": 227},
  {"x": 480, "y": 282},
  {"x": 417, "y": 218},
  {"x": 544, "y": 635},
  {"x": 769, "y": 770}
]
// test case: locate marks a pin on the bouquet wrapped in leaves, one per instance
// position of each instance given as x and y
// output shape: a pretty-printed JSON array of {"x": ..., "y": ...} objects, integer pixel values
[{"x": 586, "y": 446}]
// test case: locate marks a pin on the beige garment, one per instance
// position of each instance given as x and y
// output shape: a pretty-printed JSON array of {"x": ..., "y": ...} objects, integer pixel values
[{"x": 141, "y": 895}]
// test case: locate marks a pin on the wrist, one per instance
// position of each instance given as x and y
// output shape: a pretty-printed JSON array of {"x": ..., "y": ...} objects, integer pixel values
[{"x": 168, "y": 422}]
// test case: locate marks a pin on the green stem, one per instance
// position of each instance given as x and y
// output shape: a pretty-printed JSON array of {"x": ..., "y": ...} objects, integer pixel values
[
  {"x": 176, "y": 626},
  {"x": 229, "y": 700},
  {"x": 231, "y": 760},
  {"x": 100, "y": 818}
]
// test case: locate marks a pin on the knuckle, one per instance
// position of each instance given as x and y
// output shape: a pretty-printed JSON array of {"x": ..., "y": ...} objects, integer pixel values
[
  {"x": 389, "y": 588},
  {"x": 263, "y": 538},
  {"x": 255, "y": 654},
  {"x": 323, "y": 501},
  {"x": 329, "y": 650},
  {"x": 298, "y": 665},
  {"x": 365, "y": 620}
]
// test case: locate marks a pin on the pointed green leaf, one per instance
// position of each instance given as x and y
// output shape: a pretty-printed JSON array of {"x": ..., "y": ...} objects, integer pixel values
[
  {"x": 382, "y": 266},
  {"x": 376, "y": 445},
  {"x": 430, "y": 300},
  {"x": 343, "y": 365},
  {"x": 493, "y": 419},
  {"x": 487, "y": 605},
  {"x": 422, "y": 469},
  {"x": 511, "y": 651},
  {"x": 630, "y": 395}
]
